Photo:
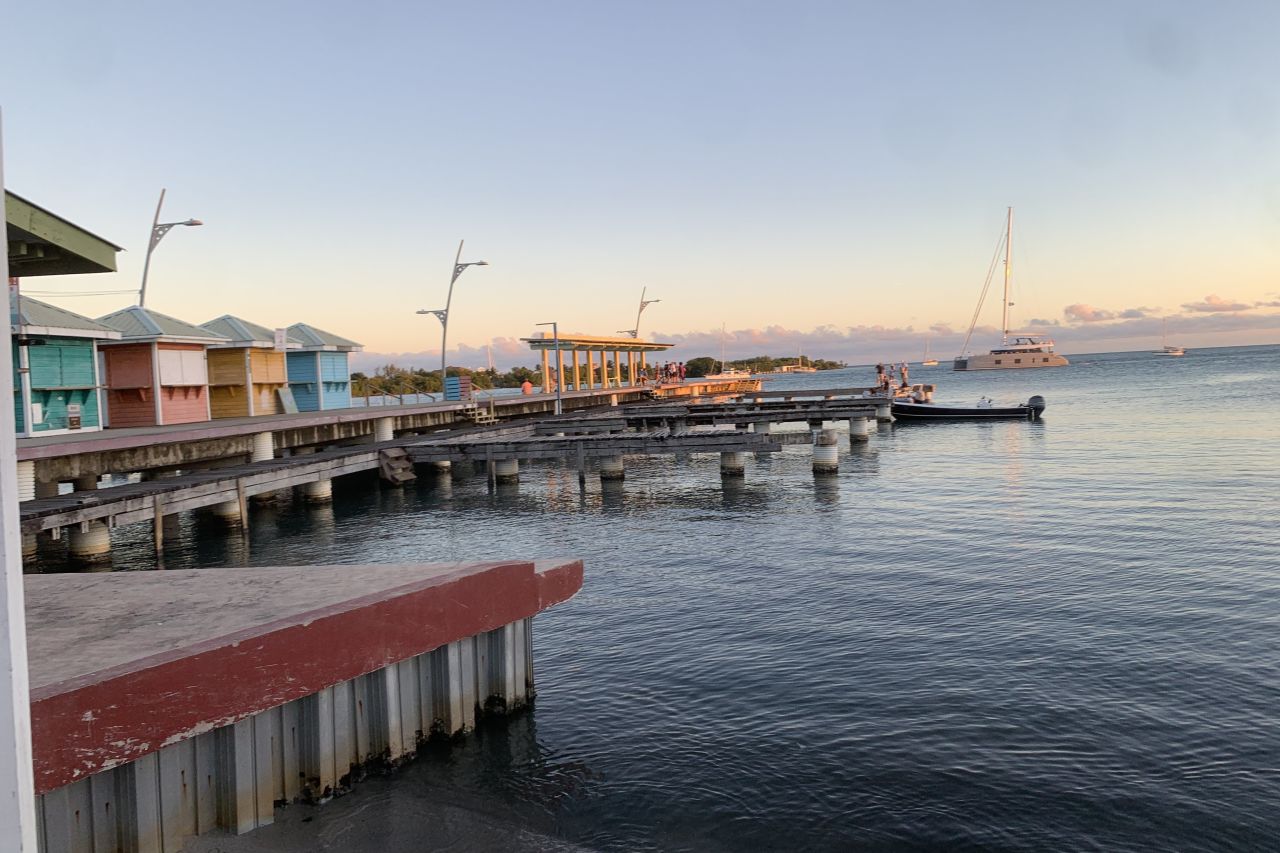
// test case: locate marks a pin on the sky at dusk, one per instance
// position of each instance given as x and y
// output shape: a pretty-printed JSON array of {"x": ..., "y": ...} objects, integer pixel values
[{"x": 831, "y": 176}]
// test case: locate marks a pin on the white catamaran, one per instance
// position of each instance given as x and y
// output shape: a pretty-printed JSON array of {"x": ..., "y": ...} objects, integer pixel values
[{"x": 1025, "y": 350}]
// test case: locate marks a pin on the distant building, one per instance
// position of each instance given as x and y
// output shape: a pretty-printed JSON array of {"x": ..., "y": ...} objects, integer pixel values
[
  {"x": 319, "y": 372},
  {"x": 55, "y": 361},
  {"x": 156, "y": 373},
  {"x": 246, "y": 374}
]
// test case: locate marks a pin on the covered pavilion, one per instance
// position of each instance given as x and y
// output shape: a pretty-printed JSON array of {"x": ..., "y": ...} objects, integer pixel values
[{"x": 602, "y": 375}]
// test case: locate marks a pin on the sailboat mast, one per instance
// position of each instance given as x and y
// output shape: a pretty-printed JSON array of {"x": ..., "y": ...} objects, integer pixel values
[{"x": 1008, "y": 271}]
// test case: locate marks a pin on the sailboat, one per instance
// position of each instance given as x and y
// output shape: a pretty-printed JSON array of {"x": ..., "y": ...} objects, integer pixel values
[
  {"x": 727, "y": 372},
  {"x": 926, "y": 361},
  {"x": 1025, "y": 350},
  {"x": 1165, "y": 349}
]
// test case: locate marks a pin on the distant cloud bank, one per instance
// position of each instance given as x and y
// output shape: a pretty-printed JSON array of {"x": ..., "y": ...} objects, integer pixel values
[{"x": 1084, "y": 328}]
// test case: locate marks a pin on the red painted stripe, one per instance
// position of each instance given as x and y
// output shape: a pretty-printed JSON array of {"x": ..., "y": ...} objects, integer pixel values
[{"x": 95, "y": 723}]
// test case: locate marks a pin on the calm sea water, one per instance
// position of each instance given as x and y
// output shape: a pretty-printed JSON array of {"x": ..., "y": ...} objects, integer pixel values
[{"x": 1012, "y": 636}]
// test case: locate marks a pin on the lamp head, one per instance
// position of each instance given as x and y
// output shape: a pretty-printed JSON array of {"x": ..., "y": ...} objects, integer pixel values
[{"x": 193, "y": 222}]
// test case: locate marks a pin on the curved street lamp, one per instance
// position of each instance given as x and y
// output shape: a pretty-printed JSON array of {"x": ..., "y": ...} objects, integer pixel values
[
  {"x": 158, "y": 230},
  {"x": 443, "y": 314},
  {"x": 644, "y": 303}
]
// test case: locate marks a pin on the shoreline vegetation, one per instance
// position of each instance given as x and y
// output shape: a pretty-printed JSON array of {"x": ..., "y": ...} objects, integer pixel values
[{"x": 393, "y": 381}]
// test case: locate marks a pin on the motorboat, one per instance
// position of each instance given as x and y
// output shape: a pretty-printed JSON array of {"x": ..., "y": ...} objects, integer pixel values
[
  {"x": 984, "y": 410},
  {"x": 1025, "y": 350}
]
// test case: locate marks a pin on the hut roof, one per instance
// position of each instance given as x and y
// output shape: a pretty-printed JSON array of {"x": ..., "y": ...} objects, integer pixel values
[
  {"x": 242, "y": 333},
  {"x": 41, "y": 318},
  {"x": 142, "y": 324},
  {"x": 318, "y": 339}
]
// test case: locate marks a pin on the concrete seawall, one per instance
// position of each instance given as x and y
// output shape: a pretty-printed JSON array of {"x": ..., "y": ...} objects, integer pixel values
[{"x": 171, "y": 704}]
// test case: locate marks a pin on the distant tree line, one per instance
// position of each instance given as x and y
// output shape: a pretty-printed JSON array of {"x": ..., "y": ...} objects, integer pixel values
[
  {"x": 706, "y": 365},
  {"x": 393, "y": 381}
]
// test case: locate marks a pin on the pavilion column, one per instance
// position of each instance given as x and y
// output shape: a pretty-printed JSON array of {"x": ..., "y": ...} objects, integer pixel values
[
  {"x": 604, "y": 369},
  {"x": 643, "y": 366},
  {"x": 560, "y": 369},
  {"x": 591, "y": 357},
  {"x": 546, "y": 372},
  {"x": 617, "y": 369},
  {"x": 577, "y": 379},
  {"x": 631, "y": 367}
]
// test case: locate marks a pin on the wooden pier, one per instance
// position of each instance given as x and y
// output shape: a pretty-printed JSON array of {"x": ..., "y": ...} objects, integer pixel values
[{"x": 605, "y": 434}]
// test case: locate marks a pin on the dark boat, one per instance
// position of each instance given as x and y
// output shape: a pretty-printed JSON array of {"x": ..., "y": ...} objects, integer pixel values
[{"x": 984, "y": 411}]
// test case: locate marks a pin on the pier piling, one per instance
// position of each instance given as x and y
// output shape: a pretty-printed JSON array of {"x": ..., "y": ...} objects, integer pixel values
[
  {"x": 611, "y": 468},
  {"x": 733, "y": 464},
  {"x": 859, "y": 429},
  {"x": 884, "y": 413},
  {"x": 826, "y": 453}
]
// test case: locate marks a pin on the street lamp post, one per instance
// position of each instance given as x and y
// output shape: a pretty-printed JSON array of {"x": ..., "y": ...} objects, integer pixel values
[
  {"x": 443, "y": 315},
  {"x": 158, "y": 230},
  {"x": 555, "y": 336},
  {"x": 644, "y": 303}
]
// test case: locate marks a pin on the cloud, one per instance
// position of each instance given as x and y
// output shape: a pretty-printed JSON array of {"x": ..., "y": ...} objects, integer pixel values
[
  {"x": 1214, "y": 304},
  {"x": 1274, "y": 304},
  {"x": 1082, "y": 313}
]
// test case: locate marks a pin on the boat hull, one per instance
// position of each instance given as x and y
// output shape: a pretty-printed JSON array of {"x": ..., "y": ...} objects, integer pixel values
[
  {"x": 1010, "y": 361},
  {"x": 934, "y": 412}
]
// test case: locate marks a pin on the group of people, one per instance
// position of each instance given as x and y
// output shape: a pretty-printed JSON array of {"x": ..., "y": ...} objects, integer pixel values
[
  {"x": 671, "y": 371},
  {"x": 884, "y": 378}
]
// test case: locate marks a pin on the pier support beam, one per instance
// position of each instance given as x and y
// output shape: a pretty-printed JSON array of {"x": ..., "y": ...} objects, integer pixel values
[
  {"x": 826, "y": 453},
  {"x": 611, "y": 468},
  {"x": 506, "y": 470},
  {"x": 733, "y": 464},
  {"x": 884, "y": 414},
  {"x": 321, "y": 491},
  {"x": 762, "y": 427},
  {"x": 859, "y": 429},
  {"x": 384, "y": 429}
]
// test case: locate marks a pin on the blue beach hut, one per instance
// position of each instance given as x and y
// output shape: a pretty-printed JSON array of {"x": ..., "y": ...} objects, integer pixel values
[
  {"x": 319, "y": 373},
  {"x": 55, "y": 364}
]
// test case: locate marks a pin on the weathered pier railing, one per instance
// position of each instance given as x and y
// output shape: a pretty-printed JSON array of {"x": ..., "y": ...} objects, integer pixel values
[{"x": 172, "y": 704}]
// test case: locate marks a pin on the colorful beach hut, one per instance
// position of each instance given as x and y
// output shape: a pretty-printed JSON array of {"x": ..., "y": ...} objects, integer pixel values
[
  {"x": 246, "y": 374},
  {"x": 156, "y": 373},
  {"x": 319, "y": 371},
  {"x": 55, "y": 362}
]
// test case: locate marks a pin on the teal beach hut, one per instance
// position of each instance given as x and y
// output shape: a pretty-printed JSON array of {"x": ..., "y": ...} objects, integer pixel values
[
  {"x": 55, "y": 363},
  {"x": 319, "y": 374}
]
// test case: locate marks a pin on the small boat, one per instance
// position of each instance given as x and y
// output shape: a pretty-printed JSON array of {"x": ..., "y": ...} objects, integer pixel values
[
  {"x": 1026, "y": 350},
  {"x": 927, "y": 361},
  {"x": 726, "y": 372},
  {"x": 985, "y": 410},
  {"x": 1166, "y": 349}
]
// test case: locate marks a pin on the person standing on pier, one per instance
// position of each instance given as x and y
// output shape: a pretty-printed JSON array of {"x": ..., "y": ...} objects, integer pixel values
[
  {"x": 882, "y": 381},
  {"x": 526, "y": 387},
  {"x": 905, "y": 380}
]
